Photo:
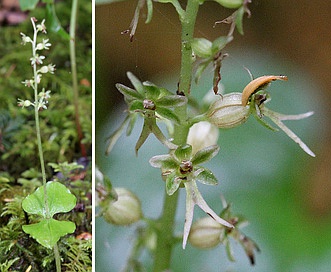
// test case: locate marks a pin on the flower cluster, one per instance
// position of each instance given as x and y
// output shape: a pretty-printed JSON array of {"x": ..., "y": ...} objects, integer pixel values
[{"x": 41, "y": 98}]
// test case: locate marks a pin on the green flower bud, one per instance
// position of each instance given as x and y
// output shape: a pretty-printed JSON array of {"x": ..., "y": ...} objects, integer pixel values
[
  {"x": 228, "y": 112},
  {"x": 202, "y": 47},
  {"x": 205, "y": 233},
  {"x": 201, "y": 135},
  {"x": 126, "y": 210},
  {"x": 230, "y": 3}
]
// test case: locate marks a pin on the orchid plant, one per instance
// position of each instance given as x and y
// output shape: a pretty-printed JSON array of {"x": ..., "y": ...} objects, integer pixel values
[{"x": 52, "y": 197}]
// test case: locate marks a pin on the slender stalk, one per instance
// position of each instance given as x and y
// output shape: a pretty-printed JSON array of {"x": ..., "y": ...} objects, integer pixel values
[
  {"x": 72, "y": 33},
  {"x": 57, "y": 258},
  {"x": 40, "y": 148},
  {"x": 36, "y": 114},
  {"x": 165, "y": 239}
]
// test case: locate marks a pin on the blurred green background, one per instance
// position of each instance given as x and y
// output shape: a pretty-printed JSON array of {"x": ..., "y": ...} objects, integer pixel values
[{"x": 284, "y": 193}]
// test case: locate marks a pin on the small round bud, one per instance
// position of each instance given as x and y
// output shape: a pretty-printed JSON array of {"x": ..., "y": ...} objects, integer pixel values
[
  {"x": 201, "y": 135},
  {"x": 205, "y": 233},
  {"x": 126, "y": 210},
  {"x": 202, "y": 47},
  {"x": 228, "y": 112},
  {"x": 24, "y": 103},
  {"x": 43, "y": 69},
  {"x": 230, "y": 3}
]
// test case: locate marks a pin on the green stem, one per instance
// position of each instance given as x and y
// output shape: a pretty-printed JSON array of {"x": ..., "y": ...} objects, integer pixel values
[
  {"x": 40, "y": 148},
  {"x": 165, "y": 238},
  {"x": 57, "y": 258},
  {"x": 72, "y": 33}
]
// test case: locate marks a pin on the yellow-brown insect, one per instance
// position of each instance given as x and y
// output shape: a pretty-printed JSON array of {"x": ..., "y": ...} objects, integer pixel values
[{"x": 257, "y": 83}]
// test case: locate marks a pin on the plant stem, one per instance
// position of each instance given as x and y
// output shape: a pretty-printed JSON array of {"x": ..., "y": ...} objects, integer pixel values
[
  {"x": 57, "y": 258},
  {"x": 165, "y": 238},
  {"x": 74, "y": 73},
  {"x": 40, "y": 148},
  {"x": 36, "y": 114}
]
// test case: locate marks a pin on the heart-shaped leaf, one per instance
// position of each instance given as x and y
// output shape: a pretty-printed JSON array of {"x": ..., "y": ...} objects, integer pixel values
[
  {"x": 49, "y": 231},
  {"x": 60, "y": 200}
]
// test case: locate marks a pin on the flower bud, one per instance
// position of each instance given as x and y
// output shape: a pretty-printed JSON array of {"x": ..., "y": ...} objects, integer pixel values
[
  {"x": 205, "y": 233},
  {"x": 43, "y": 69},
  {"x": 228, "y": 112},
  {"x": 201, "y": 135},
  {"x": 202, "y": 47},
  {"x": 126, "y": 210},
  {"x": 230, "y": 3}
]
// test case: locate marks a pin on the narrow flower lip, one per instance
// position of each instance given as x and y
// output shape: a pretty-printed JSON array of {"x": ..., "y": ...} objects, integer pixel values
[
  {"x": 193, "y": 197},
  {"x": 277, "y": 118}
]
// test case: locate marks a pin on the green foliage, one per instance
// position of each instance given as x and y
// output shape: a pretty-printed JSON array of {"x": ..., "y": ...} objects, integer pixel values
[
  {"x": 78, "y": 254},
  {"x": 28, "y": 4},
  {"x": 19, "y": 150},
  {"x": 15, "y": 243},
  {"x": 5, "y": 266}
]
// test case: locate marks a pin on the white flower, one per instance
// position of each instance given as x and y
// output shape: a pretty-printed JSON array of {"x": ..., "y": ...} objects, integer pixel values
[
  {"x": 43, "y": 45},
  {"x": 201, "y": 135},
  {"x": 41, "y": 27},
  {"x": 24, "y": 103},
  {"x": 28, "y": 82},
  {"x": 37, "y": 59},
  {"x": 25, "y": 39}
]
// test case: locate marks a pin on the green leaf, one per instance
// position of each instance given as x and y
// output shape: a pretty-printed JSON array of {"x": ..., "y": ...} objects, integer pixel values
[
  {"x": 54, "y": 23},
  {"x": 206, "y": 177},
  {"x": 172, "y": 183},
  {"x": 183, "y": 152},
  {"x": 171, "y": 101},
  {"x": 49, "y": 231},
  {"x": 166, "y": 162},
  {"x": 128, "y": 92},
  {"x": 167, "y": 114},
  {"x": 60, "y": 200},
  {"x": 28, "y": 4},
  {"x": 205, "y": 154}
]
